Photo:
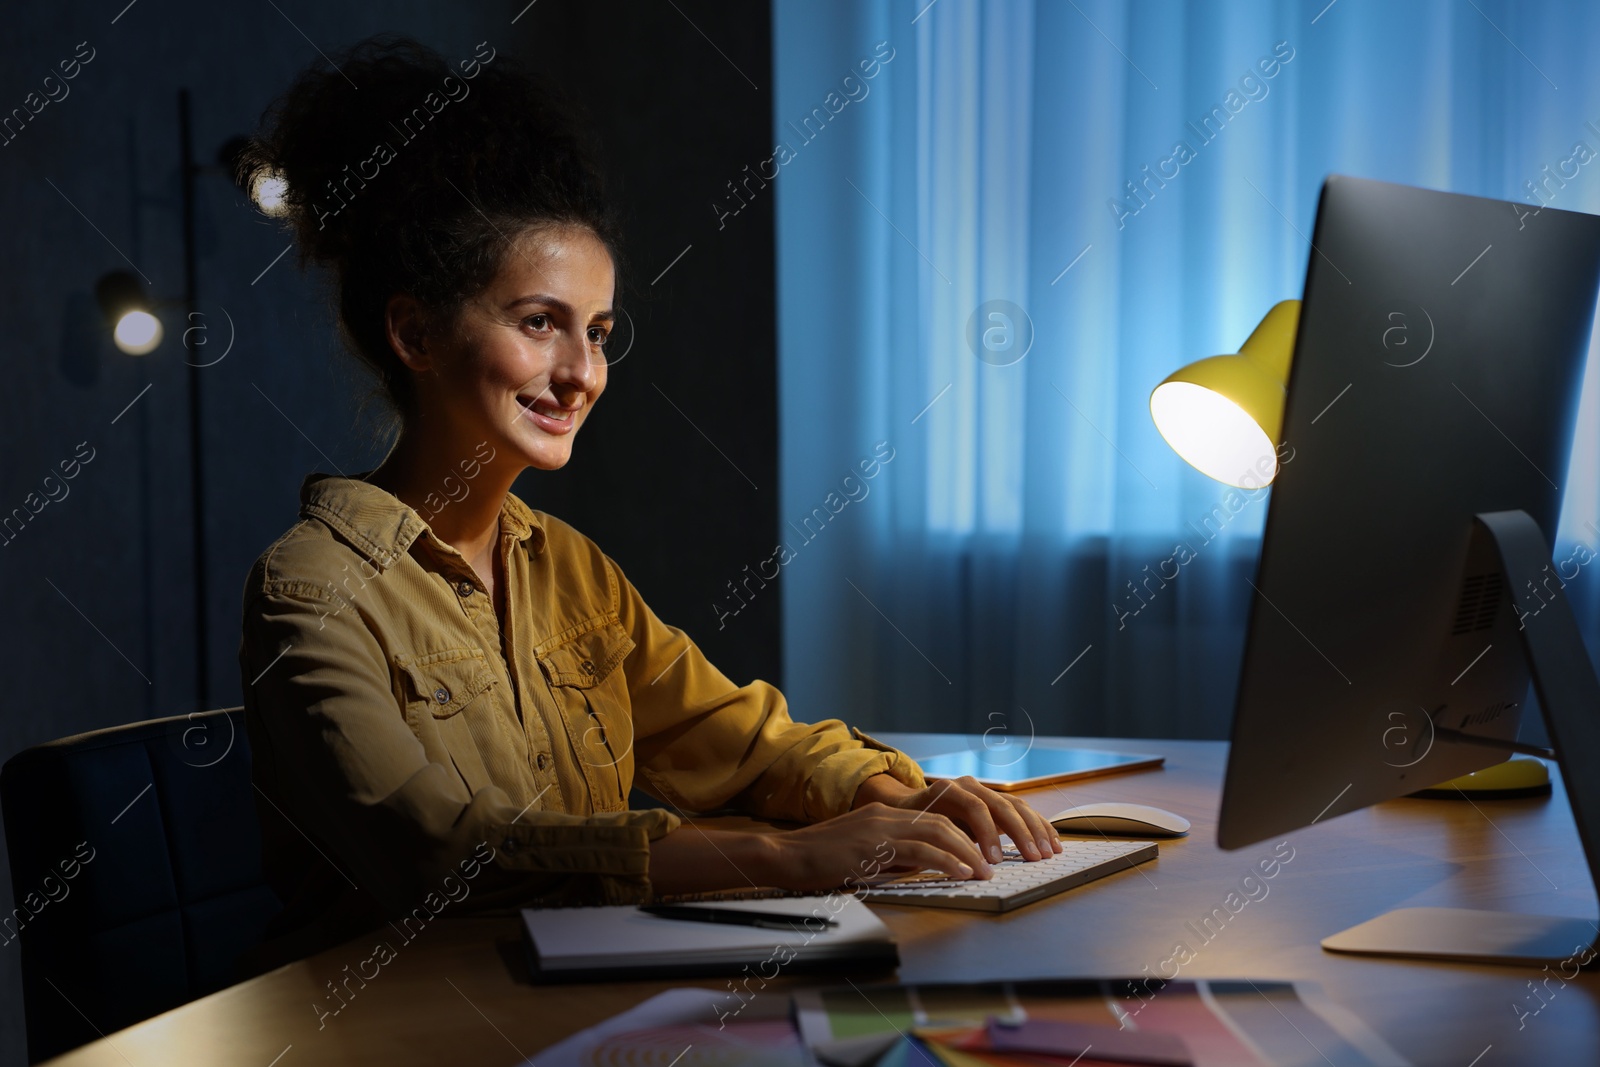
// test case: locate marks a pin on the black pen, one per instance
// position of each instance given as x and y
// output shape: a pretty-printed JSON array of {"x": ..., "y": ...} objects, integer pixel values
[{"x": 767, "y": 920}]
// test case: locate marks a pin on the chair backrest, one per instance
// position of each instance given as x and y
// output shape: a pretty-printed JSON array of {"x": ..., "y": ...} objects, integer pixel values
[{"x": 136, "y": 868}]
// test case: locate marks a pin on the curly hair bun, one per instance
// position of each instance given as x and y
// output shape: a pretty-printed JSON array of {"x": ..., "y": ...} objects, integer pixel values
[{"x": 406, "y": 173}]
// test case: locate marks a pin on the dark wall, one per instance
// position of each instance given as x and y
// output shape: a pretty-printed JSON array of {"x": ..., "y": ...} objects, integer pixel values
[
  {"x": 674, "y": 475},
  {"x": 678, "y": 478}
]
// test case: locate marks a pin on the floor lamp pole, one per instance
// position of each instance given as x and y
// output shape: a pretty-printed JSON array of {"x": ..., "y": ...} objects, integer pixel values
[{"x": 191, "y": 299}]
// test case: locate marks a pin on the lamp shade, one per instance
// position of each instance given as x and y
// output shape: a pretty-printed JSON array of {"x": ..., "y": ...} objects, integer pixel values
[{"x": 1223, "y": 414}]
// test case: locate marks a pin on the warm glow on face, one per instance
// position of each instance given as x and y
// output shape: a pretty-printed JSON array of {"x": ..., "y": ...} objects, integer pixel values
[
  {"x": 1212, "y": 433},
  {"x": 526, "y": 363},
  {"x": 138, "y": 333}
]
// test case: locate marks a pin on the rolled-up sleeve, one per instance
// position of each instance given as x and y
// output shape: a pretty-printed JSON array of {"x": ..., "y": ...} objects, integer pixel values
[
  {"x": 703, "y": 743},
  {"x": 335, "y": 759}
]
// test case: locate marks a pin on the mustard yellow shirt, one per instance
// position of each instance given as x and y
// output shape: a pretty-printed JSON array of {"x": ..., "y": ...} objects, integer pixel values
[{"x": 398, "y": 731}]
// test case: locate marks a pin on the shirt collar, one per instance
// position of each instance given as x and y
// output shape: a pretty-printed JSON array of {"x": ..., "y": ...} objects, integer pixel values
[{"x": 383, "y": 528}]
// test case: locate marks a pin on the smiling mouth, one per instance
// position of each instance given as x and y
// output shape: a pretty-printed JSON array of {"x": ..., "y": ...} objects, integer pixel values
[{"x": 549, "y": 410}]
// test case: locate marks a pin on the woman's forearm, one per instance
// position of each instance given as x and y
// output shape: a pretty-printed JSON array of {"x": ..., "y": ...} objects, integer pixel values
[
  {"x": 691, "y": 860},
  {"x": 883, "y": 788}
]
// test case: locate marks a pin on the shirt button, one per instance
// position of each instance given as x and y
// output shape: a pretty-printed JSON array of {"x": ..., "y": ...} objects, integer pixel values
[
  {"x": 509, "y": 845},
  {"x": 542, "y": 760},
  {"x": 588, "y": 666},
  {"x": 442, "y": 695},
  {"x": 464, "y": 587}
]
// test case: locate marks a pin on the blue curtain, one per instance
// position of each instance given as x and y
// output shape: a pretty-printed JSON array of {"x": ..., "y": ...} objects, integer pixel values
[{"x": 974, "y": 304}]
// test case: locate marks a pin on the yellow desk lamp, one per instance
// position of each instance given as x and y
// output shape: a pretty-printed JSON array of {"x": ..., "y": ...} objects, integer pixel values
[{"x": 1224, "y": 416}]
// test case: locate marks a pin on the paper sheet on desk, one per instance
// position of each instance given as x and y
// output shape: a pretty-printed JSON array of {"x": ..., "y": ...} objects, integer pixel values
[{"x": 687, "y": 1028}]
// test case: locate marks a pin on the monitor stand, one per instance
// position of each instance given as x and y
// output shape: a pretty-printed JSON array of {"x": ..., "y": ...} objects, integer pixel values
[{"x": 1569, "y": 694}]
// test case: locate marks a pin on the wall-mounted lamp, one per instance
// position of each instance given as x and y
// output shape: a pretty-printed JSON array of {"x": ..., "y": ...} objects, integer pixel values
[{"x": 1223, "y": 414}]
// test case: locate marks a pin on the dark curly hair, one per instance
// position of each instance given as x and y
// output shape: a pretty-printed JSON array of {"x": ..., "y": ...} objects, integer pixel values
[{"x": 408, "y": 175}]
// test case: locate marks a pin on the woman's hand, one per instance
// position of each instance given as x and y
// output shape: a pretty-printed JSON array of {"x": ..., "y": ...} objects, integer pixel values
[
  {"x": 982, "y": 812},
  {"x": 949, "y": 827},
  {"x": 869, "y": 841},
  {"x": 846, "y": 850}
]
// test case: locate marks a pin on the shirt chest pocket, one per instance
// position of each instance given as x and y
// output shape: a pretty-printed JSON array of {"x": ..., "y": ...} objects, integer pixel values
[
  {"x": 591, "y": 690},
  {"x": 449, "y": 704}
]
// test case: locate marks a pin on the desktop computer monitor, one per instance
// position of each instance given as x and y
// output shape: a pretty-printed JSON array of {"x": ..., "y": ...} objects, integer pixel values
[{"x": 1406, "y": 591}]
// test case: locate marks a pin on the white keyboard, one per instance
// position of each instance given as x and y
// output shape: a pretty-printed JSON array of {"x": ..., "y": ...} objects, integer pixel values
[{"x": 1016, "y": 881}]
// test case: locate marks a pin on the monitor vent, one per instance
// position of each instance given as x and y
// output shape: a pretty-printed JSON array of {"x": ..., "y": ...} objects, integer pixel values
[{"x": 1480, "y": 599}]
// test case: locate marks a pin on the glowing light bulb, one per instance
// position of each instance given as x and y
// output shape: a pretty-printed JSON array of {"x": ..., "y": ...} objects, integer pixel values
[
  {"x": 269, "y": 190},
  {"x": 1213, "y": 434},
  {"x": 138, "y": 333}
]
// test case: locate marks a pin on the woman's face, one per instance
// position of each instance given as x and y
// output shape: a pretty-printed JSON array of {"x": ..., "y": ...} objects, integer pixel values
[{"x": 527, "y": 361}]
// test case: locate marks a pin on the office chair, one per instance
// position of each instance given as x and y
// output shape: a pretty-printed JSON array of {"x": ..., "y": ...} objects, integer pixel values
[{"x": 136, "y": 869}]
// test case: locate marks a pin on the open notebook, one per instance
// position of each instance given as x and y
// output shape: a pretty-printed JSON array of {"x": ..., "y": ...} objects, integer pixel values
[{"x": 574, "y": 944}]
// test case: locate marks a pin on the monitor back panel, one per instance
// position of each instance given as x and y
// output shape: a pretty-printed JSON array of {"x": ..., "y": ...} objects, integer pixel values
[{"x": 1436, "y": 375}]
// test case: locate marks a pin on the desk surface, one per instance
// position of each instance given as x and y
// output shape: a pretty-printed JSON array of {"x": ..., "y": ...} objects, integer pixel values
[{"x": 460, "y": 994}]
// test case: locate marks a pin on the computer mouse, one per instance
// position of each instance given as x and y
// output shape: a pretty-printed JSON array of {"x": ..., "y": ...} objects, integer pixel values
[{"x": 1121, "y": 820}]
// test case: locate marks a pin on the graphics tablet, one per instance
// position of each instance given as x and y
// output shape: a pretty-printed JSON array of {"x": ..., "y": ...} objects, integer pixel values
[{"x": 1008, "y": 770}]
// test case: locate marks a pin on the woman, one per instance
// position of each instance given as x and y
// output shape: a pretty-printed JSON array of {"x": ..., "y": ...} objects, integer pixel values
[{"x": 445, "y": 687}]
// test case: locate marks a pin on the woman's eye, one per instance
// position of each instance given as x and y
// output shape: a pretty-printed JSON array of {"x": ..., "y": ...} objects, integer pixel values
[
  {"x": 537, "y": 322},
  {"x": 598, "y": 335}
]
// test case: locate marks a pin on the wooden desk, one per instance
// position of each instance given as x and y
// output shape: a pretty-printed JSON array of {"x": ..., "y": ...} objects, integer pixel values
[{"x": 459, "y": 993}]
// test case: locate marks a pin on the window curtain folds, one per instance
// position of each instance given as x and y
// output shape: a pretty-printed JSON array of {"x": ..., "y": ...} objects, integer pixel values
[{"x": 999, "y": 225}]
